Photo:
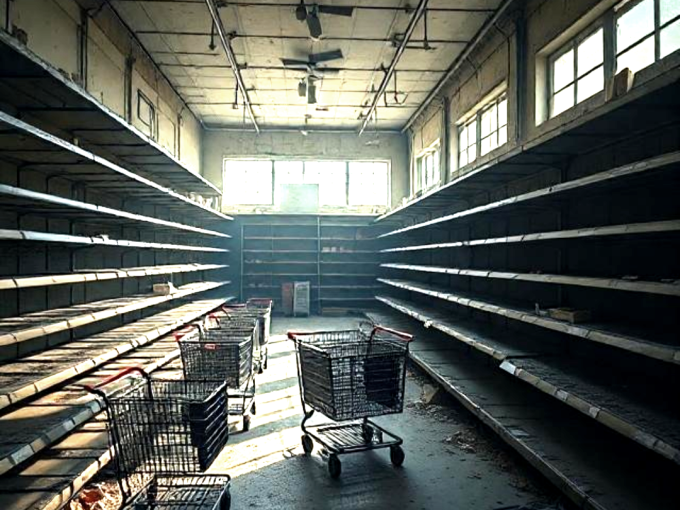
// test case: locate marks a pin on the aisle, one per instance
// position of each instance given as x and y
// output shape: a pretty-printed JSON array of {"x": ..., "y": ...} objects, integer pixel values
[{"x": 449, "y": 463}]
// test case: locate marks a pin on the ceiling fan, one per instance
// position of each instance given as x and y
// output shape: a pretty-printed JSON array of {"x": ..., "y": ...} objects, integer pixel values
[
  {"x": 307, "y": 86},
  {"x": 310, "y": 14}
]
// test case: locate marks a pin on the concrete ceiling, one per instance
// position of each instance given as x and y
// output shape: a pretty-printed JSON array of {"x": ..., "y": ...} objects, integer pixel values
[{"x": 177, "y": 34}]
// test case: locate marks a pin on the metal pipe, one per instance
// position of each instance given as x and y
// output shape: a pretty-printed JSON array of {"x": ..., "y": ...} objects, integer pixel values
[
  {"x": 459, "y": 61},
  {"x": 217, "y": 20},
  {"x": 397, "y": 56}
]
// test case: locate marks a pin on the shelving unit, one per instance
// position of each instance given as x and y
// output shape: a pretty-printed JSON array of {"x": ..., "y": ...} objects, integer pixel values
[
  {"x": 480, "y": 268},
  {"x": 334, "y": 253}
]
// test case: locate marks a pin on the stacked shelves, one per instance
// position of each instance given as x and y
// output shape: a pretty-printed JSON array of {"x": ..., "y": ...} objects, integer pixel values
[
  {"x": 93, "y": 214},
  {"x": 336, "y": 254},
  {"x": 563, "y": 286}
]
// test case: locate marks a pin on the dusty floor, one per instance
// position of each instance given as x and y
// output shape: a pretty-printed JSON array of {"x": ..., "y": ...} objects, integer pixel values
[{"x": 451, "y": 463}]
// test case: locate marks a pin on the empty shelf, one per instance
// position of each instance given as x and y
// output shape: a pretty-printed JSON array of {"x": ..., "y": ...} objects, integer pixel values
[
  {"x": 31, "y": 147},
  {"x": 95, "y": 275},
  {"x": 34, "y": 325},
  {"x": 630, "y": 229},
  {"x": 603, "y": 335},
  {"x": 45, "y": 204},
  {"x": 47, "y": 237},
  {"x": 666, "y": 289},
  {"x": 590, "y": 183}
]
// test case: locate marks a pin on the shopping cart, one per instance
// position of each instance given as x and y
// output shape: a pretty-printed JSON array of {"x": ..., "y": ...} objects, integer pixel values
[
  {"x": 350, "y": 376},
  {"x": 164, "y": 433},
  {"x": 223, "y": 353},
  {"x": 259, "y": 311},
  {"x": 263, "y": 306}
]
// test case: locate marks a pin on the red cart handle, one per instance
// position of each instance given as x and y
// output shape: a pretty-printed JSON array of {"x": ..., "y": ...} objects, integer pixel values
[
  {"x": 404, "y": 336},
  {"x": 115, "y": 377},
  {"x": 292, "y": 335},
  {"x": 184, "y": 331}
]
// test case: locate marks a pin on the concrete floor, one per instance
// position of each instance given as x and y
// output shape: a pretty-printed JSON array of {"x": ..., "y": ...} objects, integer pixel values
[{"x": 449, "y": 462}]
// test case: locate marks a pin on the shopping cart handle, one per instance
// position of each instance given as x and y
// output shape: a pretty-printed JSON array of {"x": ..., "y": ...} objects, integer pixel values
[
  {"x": 115, "y": 377},
  {"x": 400, "y": 334},
  {"x": 185, "y": 330}
]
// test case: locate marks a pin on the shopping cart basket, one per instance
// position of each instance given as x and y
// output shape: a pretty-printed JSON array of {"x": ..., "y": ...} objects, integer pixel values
[
  {"x": 164, "y": 433},
  {"x": 263, "y": 306},
  {"x": 223, "y": 354},
  {"x": 350, "y": 376},
  {"x": 258, "y": 311}
]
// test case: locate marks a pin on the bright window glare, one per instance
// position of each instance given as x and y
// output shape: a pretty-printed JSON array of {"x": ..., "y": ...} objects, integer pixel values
[
  {"x": 331, "y": 178},
  {"x": 248, "y": 182},
  {"x": 368, "y": 183}
]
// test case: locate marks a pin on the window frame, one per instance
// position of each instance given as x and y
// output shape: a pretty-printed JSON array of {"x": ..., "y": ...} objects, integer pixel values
[
  {"x": 422, "y": 158},
  {"x": 498, "y": 95},
  {"x": 142, "y": 98},
  {"x": 274, "y": 204},
  {"x": 570, "y": 45}
]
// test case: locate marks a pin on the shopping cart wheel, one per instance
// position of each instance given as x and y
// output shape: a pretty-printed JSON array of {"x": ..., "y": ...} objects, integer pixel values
[
  {"x": 246, "y": 423},
  {"x": 260, "y": 369},
  {"x": 334, "y": 466},
  {"x": 397, "y": 455},
  {"x": 225, "y": 500},
  {"x": 307, "y": 444},
  {"x": 253, "y": 409}
]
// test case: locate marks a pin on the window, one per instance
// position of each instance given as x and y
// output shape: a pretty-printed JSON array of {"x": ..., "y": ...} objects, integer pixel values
[
  {"x": 146, "y": 113},
  {"x": 642, "y": 33},
  {"x": 248, "y": 182},
  {"x": 368, "y": 183},
  {"x": 577, "y": 71},
  {"x": 467, "y": 142},
  {"x": 484, "y": 130},
  {"x": 341, "y": 183},
  {"x": 494, "y": 125},
  {"x": 428, "y": 172},
  {"x": 641, "y": 37}
]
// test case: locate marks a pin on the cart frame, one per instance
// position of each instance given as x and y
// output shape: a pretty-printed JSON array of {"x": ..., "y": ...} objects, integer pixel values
[
  {"x": 155, "y": 487},
  {"x": 349, "y": 435}
]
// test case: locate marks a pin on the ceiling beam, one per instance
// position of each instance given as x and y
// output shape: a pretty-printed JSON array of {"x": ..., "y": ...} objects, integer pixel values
[
  {"x": 393, "y": 65},
  {"x": 382, "y": 40},
  {"x": 226, "y": 44},
  {"x": 455, "y": 66},
  {"x": 293, "y": 5}
]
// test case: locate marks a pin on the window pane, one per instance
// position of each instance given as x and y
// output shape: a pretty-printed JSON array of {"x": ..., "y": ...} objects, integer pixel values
[
  {"x": 563, "y": 70},
  {"x": 331, "y": 178},
  {"x": 502, "y": 135},
  {"x": 487, "y": 145},
  {"x": 638, "y": 57},
  {"x": 435, "y": 166},
  {"x": 669, "y": 10},
  {"x": 634, "y": 24},
  {"x": 368, "y": 183},
  {"x": 489, "y": 118},
  {"x": 590, "y": 53},
  {"x": 462, "y": 137},
  {"x": 472, "y": 133},
  {"x": 472, "y": 153},
  {"x": 248, "y": 182},
  {"x": 503, "y": 112},
  {"x": 670, "y": 39},
  {"x": 463, "y": 160},
  {"x": 590, "y": 85},
  {"x": 563, "y": 100}
]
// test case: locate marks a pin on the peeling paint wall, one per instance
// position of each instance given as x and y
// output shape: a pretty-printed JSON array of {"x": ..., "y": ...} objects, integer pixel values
[
  {"x": 53, "y": 30},
  {"x": 218, "y": 145}
]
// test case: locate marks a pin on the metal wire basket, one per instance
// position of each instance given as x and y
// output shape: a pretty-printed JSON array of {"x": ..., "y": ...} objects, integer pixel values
[
  {"x": 352, "y": 374},
  {"x": 162, "y": 433},
  {"x": 218, "y": 354}
]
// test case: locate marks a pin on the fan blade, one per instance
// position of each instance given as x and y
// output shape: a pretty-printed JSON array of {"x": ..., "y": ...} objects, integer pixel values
[
  {"x": 311, "y": 94},
  {"x": 301, "y": 11},
  {"x": 325, "y": 56},
  {"x": 314, "y": 25},
  {"x": 337, "y": 10},
  {"x": 295, "y": 63},
  {"x": 302, "y": 88}
]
